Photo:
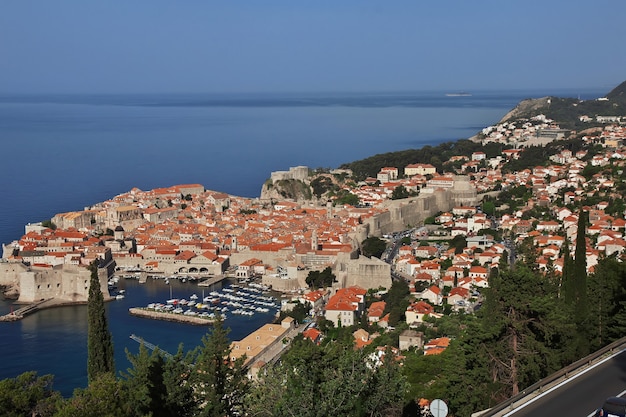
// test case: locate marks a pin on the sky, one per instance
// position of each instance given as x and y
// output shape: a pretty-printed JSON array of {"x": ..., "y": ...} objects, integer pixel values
[{"x": 158, "y": 46}]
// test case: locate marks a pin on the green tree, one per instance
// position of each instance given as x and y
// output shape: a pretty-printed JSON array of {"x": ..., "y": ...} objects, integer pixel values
[
  {"x": 373, "y": 246},
  {"x": 180, "y": 399},
  {"x": 575, "y": 288},
  {"x": 399, "y": 192},
  {"x": 48, "y": 223},
  {"x": 299, "y": 311},
  {"x": 607, "y": 285},
  {"x": 99, "y": 339},
  {"x": 144, "y": 383},
  {"x": 105, "y": 396},
  {"x": 489, "y": 207},
  {"x": 347, "y": 198},
  {"x": 219, "y": 382},
  {"x": 28, "y": 395},
  {"x": 458, "y": 242},
  {"x": 321, "y": 279},
  {"x": 329, "y": 380},
  {"x": 521, "y": 329}
]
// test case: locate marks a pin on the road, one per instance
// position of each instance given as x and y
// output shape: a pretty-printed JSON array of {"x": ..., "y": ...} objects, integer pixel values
[{"x": 583, "y": 395}]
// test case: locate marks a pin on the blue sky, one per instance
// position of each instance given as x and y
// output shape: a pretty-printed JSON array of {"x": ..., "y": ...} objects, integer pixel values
[{"x": 83, "y": 46}]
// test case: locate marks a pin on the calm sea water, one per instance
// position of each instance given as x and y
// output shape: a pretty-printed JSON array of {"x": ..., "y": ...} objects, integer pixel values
[{"x": 61, "y": 153}]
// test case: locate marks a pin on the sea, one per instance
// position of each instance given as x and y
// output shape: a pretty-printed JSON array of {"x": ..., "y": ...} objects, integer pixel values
[{"x": 64, "y": 152}]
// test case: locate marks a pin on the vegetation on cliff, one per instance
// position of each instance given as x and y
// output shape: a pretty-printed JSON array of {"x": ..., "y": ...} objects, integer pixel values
[
  {"x": 567, "y": 111},
  {"x": 321, "y": 186},
  {"x": 435, "y": 155}
]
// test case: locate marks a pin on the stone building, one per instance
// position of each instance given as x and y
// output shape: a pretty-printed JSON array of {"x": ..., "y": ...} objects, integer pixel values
[
  {"x": 368, "y": 273},
  {"x": 295, "y": 173}
]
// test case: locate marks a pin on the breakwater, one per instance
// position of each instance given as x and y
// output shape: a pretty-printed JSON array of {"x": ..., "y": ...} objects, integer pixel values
[{"x": 167, "y": 316}]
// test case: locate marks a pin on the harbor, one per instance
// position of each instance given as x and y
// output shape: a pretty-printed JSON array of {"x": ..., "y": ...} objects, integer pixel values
[
  {"x": 47, "y": 333},
  {"x": 232, "y": 300}
]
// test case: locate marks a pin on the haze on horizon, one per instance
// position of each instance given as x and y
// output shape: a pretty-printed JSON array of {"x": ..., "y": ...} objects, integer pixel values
[{"x": 153, "y": 46}]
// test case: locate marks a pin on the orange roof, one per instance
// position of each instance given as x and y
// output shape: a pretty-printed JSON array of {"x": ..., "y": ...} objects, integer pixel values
[{"x": 312, "y": 333}]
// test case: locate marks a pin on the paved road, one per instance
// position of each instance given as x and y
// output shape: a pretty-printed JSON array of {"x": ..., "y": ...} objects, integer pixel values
[{"x": 583, "y": 395}]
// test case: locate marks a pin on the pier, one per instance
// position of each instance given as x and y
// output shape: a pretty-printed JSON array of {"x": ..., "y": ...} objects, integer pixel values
[
  {"x": 169, "y": 316},
  {"x": 32, "y": 308},
  {"x": 211, "y": 281}
]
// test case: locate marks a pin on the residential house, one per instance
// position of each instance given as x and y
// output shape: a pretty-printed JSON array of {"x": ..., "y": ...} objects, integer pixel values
[
  {"x": 345, "y": 306},
  {"x": 458, "y": 295},
  {"x": 436, "y": 346},
  {"x": 416, "y": 311},
  {"x": 411, "y": 338},
  {"x": 433, "y": 295},
  {"x": 375, "y": 312}
]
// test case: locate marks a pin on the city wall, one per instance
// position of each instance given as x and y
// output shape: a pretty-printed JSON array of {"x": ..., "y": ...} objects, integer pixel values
[
  {"x": 365, "y": 272},
  {"x": 62, "y": 282}
]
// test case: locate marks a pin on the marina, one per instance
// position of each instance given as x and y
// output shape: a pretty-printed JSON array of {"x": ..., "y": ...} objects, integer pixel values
[{"x": 232, "y": 300}]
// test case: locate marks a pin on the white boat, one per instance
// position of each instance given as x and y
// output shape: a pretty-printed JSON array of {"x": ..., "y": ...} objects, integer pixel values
[
  {"x": 193, "y": 297},
  {"x": 119, "y": 296}
]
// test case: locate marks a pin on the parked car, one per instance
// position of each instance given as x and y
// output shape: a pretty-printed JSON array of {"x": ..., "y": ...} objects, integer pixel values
[{"x": 613, "y": 407}]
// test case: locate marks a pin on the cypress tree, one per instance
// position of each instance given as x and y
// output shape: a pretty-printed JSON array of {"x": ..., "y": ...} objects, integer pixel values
[
  {"x": 221, "y": 384},
  {"x": 99, "y": 339},
  {"x": 579, "y": 287},
  {"x": 566, "y": 287},
  {"x": 580, "y": 265}
]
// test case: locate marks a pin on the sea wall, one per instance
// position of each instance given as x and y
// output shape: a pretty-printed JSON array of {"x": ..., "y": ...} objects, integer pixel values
[
  {"x": 67, "y": 283},
  {"x": 10, "y": 273}
]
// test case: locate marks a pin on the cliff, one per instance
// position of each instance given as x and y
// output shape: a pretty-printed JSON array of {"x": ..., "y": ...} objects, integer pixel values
[
  {"x": 527, "y": 107},
  {"x": 286, "y": 189},
  {"x": 315, "y": 186}
]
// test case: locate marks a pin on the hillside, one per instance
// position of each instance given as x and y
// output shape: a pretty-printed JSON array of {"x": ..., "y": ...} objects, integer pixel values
[{"x": 566, "y": 111}]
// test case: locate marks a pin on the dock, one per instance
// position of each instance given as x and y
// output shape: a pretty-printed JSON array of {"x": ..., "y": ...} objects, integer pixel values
[
  {"x": 211, "y": 281},
  {"x": 168, "y": 316}
]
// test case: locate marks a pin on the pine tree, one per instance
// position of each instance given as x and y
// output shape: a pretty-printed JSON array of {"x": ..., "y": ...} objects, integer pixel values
[
  {"x": 144, "y": 383},
  {"x": 99, "y": 340},
  {"x": 180, "y": 399},
  {"x": 220, "y": 383}
]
